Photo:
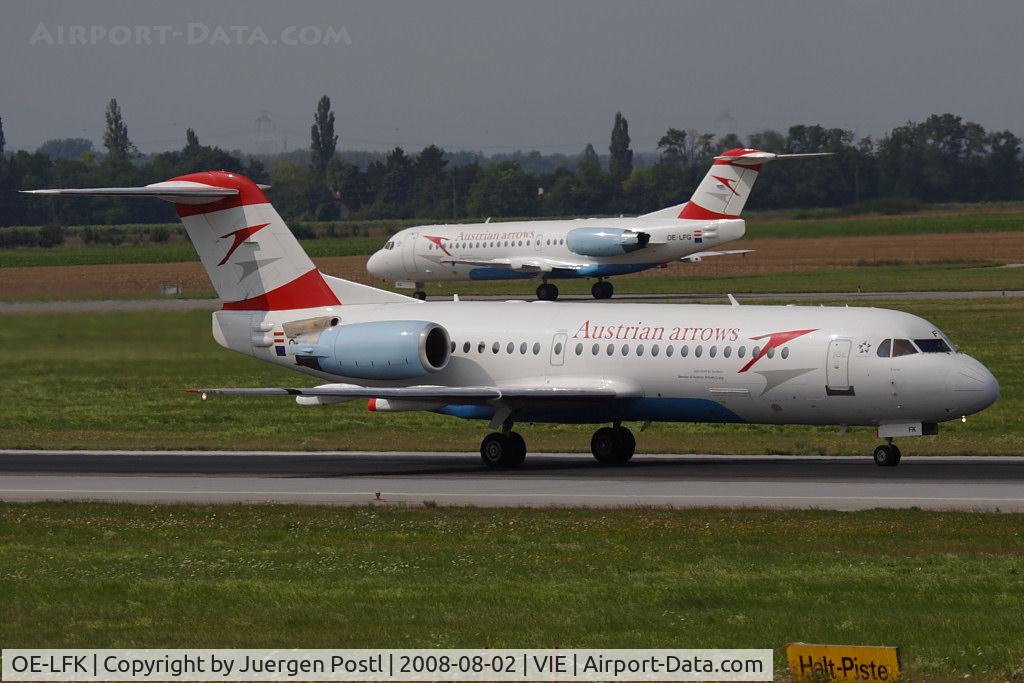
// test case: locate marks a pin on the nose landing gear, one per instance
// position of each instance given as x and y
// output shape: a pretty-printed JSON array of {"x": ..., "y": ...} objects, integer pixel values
[{"x": 887, "y": 455}]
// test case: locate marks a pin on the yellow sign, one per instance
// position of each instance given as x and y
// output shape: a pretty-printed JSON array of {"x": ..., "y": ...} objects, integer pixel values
[{"x": 843, "y": 662}]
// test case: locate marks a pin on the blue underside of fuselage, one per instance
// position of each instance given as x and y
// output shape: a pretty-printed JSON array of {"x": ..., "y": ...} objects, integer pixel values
[
  {"x": 638, "y": 409},
  {"x": 596, "y": 270}
]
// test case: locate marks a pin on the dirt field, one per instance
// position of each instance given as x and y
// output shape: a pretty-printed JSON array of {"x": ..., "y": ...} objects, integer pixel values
[{"x": 770, "y": 256}]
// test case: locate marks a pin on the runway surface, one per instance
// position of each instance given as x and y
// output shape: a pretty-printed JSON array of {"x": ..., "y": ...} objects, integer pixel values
[
  {"x": 108, "y": 305},
  {"x": 355, "y": 478}
]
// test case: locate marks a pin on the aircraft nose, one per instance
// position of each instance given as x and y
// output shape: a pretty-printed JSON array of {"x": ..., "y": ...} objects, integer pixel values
[
  {"x": 976, "y": 387},
  {"x": 375, "y": 264}
]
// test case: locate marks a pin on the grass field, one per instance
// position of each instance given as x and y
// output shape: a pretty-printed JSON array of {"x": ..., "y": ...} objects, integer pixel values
[
  {"x": 948, "y": 588},
  {"x": 114, "y": 380},
  {"x": 176, "y": 251}
]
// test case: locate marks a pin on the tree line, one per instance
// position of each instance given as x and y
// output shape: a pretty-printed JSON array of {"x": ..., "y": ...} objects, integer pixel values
[{"x": 940, "y": 159}]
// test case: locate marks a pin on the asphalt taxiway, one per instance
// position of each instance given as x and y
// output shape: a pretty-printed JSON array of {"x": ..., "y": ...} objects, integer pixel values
[{"x": 361, "y": 478}]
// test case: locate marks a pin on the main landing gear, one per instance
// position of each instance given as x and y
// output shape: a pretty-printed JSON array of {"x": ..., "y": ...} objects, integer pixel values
[
  {"x": 887, "y": 455},
  {"x": 547, "y": 292},
  {"x": 503, "y": 450},
  {"x": 613, "y": 445},
  {"x": 602, "y": 289},
  {"x": 506, "y": 450}
]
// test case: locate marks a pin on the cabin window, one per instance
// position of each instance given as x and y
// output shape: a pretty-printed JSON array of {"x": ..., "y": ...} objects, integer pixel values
[
  {"x": 595, "y": 349},
  {"x": 697, "y": 352},
  {"x": 640, "y": 350},
  {"x": 480, "y": 347},
  {"x": 933, "y": 346},
  {"x": 902, "y": 347},
  {"x": 495, "y": 347},
  {"x": 465, "y": 347},
  {"x": 558, "y": 348},
  {"x": 727, "y": 351},
  {"x": 742, "y": 352},
  {"x": 579, "y": 349},
  {"x": 785, "y": 353},
  {"x": 884, "y": 348},
  {"x": 547, "y": 242},
  {"x": 713, "y": 351},
  {"x": 453, "y": 347},
  {"x": 684, "y": 351},
  {"x": 755, "y": 352},
  {"x": 654, "y": 350},
  {"x": 510, "y": 348},
  {"x": 625, "y": 349},
  {"x": 536, "y": 348},
  {"x": 611, "y": 349},
  {"x": 669, "y": 350},
  {"x": 771, "y": 353}
]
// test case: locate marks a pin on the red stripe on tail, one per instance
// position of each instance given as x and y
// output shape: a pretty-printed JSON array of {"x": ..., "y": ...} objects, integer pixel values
[{"x": 306, "y": 291}]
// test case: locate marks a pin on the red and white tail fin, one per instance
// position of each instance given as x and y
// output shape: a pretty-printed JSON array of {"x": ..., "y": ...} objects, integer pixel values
[
  {"x": 725, "y": 189},
  {"x": 253, "y": 259}
]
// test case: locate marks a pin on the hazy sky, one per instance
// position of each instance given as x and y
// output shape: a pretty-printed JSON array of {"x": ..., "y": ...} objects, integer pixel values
[{"x": 502, "y": 76}]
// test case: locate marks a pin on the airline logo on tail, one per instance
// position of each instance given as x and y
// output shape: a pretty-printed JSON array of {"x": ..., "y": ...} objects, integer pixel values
[{"x": 240, "y": 235}]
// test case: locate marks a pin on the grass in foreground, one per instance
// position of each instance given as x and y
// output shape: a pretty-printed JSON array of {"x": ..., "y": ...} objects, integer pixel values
[
  {"x": 114, "y": 380},
  {"x": 946, "y": 587}
]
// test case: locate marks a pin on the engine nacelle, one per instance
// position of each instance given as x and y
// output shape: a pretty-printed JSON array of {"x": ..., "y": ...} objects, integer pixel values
[
  {"x": 605, "y": 241},
  {"x": 391, "y": 349}
]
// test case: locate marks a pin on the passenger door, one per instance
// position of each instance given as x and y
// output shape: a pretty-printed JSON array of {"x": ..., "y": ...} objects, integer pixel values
[{"x": 837, "y": 368}]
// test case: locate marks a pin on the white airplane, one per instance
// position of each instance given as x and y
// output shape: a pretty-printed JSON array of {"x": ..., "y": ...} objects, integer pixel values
[
  {"x": 582, "y": 248},
  {"x": 539, "y": 362}
]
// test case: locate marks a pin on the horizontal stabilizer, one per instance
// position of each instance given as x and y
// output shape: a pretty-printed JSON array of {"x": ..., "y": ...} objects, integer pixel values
[
  {"x": 177, "y": 192},
  {"x": 694, "y": 258}
]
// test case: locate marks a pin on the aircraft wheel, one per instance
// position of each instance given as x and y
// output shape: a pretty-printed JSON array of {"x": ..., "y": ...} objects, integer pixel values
[
  {"x": 420, "y": 294},
  {"x": 612, "y": 446},
  {"x": 519, "y": 444},
  {"x": 501, "y": 452},
  {"x": 887, "y": 456},
  {"x": 628, "y": 443},
  {"x": 602, "y": 289},
  {"x": 547, "y": 292}
]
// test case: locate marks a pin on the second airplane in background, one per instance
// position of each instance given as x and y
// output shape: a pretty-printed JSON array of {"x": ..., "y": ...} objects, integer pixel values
[{"x": 580, "y": 248}]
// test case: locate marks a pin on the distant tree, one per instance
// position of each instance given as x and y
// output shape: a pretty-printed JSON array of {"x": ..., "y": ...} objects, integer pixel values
[
  {"x": 590, "y": 156},
  {"x": 323, "y": 140},
  {"x": 672, "y": 146},
  {"x": 191, "y": 142},
  {"x": 728, "y": 141},
  {"x": 2, "y": 141},
  {"x": 115, "y": 137},
  {"x": 432, "y": 192},
  {"x": 503, "y": 190},
  {"x": 66, "y": 148},
  {"x": 620, "y": 159}
]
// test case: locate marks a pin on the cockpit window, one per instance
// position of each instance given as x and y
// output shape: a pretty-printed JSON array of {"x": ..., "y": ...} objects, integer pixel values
[
  {"x": 932, "y": 346},
  {"x": 390, "y": 244},
  {"x": 885, "y": 348},
  {"x": 902, "y": 347}
]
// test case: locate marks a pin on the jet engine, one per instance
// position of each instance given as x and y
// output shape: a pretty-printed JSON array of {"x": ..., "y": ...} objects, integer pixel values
[
  {"x": 605, "y": 241},
  {"x": 391, "y": 349}
]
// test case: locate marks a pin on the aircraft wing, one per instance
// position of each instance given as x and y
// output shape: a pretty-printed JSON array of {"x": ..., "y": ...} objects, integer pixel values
[
  {"x": 596, "y": 390},
  {"x": 534, "y": 264},
  {"x": 694, "y": 258}
]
